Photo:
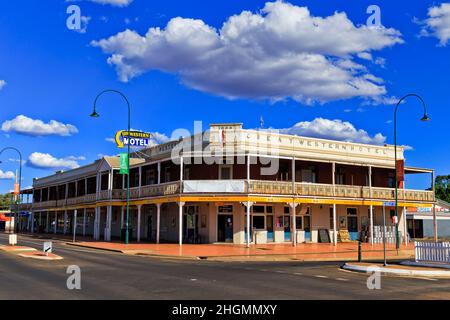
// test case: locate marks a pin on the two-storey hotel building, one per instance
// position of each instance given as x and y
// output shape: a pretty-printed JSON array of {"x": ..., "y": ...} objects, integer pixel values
[{"x": 229, "y": 184}]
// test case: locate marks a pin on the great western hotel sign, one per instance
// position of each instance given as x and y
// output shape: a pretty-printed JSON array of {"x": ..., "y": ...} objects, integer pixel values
[{"x": 134, "y": 139}]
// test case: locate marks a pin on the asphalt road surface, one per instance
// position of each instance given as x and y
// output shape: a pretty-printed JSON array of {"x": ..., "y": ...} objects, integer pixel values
[{"x": 109, "y": 275}]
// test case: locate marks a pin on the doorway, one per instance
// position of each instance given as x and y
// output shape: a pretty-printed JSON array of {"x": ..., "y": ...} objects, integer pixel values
[
  {"x": 225, "y": 228},
  {"x": 149, "y": 227},
  {"x": 352, "y": 223},
  {"x": 287, "y": 228},
  {"x": 269, "y": 226}
]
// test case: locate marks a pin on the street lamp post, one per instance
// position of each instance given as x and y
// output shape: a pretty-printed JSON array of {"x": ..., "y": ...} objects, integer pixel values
[
  {"x": 94, "y": 114},
  {"x": 17, "y": 218},
  {"x": 424, "y": 118}
]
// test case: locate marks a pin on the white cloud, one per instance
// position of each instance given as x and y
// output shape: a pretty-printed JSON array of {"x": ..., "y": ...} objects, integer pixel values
[
  {"x": 158, "y": 138},
  {"x": 280, "y": 52},
  {"x": 8, "y": 175},
  {"x": 335, "y": 130},
  {"x": 116, "y": 3},
  {"x": 438, "y": 23},
  {"x": 2, "y": 84},
  {"x": 47, "y": 161},
  {"x": 84, "y": 24},
  {"x": 34, "y": 127}
]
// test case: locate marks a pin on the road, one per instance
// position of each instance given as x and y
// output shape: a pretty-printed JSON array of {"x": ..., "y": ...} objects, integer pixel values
[{"x": 109, "y": 275}]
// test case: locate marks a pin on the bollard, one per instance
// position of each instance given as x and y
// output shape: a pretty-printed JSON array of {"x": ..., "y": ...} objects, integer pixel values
[{"x": 359, "y": 251}]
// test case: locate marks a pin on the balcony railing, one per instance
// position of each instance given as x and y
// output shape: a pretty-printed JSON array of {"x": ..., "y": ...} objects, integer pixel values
[
  {"x": 339, "y": 191},
  {"x": 242, "y": 186}
]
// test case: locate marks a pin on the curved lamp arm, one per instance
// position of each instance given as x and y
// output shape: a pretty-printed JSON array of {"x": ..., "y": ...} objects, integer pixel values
[{"x": 20, "y": 162}]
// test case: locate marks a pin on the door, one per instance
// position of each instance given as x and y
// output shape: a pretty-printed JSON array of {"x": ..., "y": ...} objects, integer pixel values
[
  {"x": 410, "y": 223},
  {"x": 149, "y": 227},
  {"x": 190, "y": 232},
  {"x": 287, "y": 228},
  {"x": 269, "y": 228},
  {"x": 352, "y": 223},
  {"x": 307, "y": 227},
  {"x": 225, "y": 228},
  {"x": 418, "y": 229}
]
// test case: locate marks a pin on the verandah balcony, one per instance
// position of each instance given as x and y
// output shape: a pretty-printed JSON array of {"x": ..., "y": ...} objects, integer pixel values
[
  {"x": 263, "y": 187},
  {"x": 340, "y": 191}
]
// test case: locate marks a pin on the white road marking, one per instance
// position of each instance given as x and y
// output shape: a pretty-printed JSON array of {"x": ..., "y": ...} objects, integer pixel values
[
  {"x": 341, "y": 279},
  {"x": 320, "y": 276}
]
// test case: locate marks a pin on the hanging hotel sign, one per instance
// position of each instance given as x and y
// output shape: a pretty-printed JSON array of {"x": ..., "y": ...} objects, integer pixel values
[
  {"x": 123, "y": 163},
  {"x": 134, "y": 139}
]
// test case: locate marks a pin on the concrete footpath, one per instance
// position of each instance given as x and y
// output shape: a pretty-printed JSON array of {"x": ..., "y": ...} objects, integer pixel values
[
  {"x": 268, "y": 252},
  {"x": 399, "y": 269}
]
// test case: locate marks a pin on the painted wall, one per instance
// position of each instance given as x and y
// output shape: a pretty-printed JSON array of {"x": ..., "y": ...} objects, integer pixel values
[{"x": 443, "y": 227}]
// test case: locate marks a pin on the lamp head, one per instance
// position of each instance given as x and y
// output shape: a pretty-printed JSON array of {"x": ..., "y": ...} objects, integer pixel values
[
  {"x": 94, "y": 114},
  {"x": 425, "y": 118}
]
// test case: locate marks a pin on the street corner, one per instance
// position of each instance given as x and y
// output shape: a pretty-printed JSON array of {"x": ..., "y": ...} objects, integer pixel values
[
  {"x": 40, "y": 256},
  {"x": 399, "y": 269}
]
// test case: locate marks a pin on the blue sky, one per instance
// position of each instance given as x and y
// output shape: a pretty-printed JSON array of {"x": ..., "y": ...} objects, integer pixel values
[{"x": 48, "y": 72}]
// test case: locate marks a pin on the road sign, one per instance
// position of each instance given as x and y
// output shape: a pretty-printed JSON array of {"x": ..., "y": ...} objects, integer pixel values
[
  {"x": 389, "y": 204},
  {"x": 12, "y": 239},
  {"x": 48, "y": 246}
]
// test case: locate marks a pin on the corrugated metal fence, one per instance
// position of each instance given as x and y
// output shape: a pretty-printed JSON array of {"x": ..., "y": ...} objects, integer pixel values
[{"x": 432, "y": 251}]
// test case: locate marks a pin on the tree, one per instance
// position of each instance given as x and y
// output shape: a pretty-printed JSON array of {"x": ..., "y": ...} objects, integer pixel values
[
  {"x": 5, "y": 201},
  {"x": 443, "y": 188}
]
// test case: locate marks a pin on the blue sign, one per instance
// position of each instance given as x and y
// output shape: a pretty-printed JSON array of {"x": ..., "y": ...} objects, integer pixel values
[{"x": 389, "y": 204}]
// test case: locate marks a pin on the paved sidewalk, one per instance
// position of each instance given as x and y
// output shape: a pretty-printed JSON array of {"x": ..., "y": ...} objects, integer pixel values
[{"x": 225, "y": 252}]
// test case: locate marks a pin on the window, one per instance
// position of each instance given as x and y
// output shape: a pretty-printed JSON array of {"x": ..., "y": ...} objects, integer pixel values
[
  {"x": 148, "y": 176},
  {"x": 104, "y": 181},
  {"x": 331, "y": 218},
  {"x": 307, "y": 223},
  {"x": 287, "y": 210},
  {"x": 391, "y": 213},
  {"x": 225, "y": 172},
  {"x": 352, "y": 211},
  {"x": 226, "y": 209},
  {"x": 269, "y": 209},
  {"x": 299, "y": 223},
  {"x": 167, "y": 174},
  {"x": 258, "y": 209},
  {"x": 309, "y": 175},
  {"x": 391, "y": 181},
  {"x": 186, "y": 173},
  {"x": 259, "y": 222},
  {"x": 340, "y": 176}
]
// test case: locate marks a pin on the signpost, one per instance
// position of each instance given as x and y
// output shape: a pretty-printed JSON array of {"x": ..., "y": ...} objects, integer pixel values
[
  {"x": 12, "y": 239},
  {"x": 385, "y": 204},
  {"x": 48, "y": 246}
]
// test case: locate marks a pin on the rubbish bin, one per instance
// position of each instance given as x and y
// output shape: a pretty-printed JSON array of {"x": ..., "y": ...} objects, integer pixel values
[{"x": 130, "y": 234}]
